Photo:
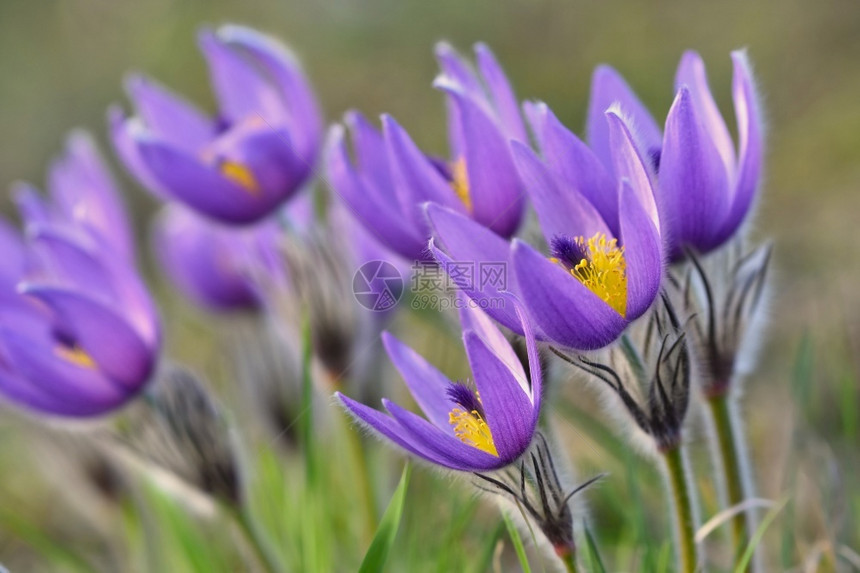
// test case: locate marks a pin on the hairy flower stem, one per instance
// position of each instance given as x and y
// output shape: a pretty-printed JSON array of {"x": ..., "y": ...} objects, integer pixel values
[
  {"x": 258, "y": 541},
  {"x": 569, "y": 560},
  {"x": 682, "y": 505},
  {"x": 729, "y": 452}
]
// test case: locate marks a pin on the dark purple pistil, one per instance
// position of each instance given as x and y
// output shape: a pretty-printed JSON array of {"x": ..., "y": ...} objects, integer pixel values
[{"x": 465, "y": 397}]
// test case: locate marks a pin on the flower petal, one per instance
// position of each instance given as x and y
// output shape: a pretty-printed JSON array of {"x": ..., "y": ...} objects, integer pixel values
[
  {"x": 416, "y": 180},
  {"x": 379, "y": 217},
  {"x": 608, "y": 88},
  {"x": 428, "y": 386},
  {"x": 497, "y": 196},
  {"x": 200, "y": 186},
  {"x": 507, "y": 405},
  {"x": 389, "y": 428},
  {"x": 124, "y": 133},
  {"x": 286, "y": 73},
  {"x": 575, "y": 163},
  {"x": 751, "y": 138},
  {"x": 561, "y": 209},
  {"x": 693, "y": 180},
  {"x": 564, "y": 310},
  {"x": 115, "y": 347},
  {"x": 691, "y": 73},
  {"x": 642, "y": 253},
  {"x": 458, "y": 455},
  {"x": 500, "y": 91},
  {"x": 242, "y": 91},
  {"x": 631, "y": 165},
  {"x": 167, "y": 115},
  {"x": 471, "y": 246}
]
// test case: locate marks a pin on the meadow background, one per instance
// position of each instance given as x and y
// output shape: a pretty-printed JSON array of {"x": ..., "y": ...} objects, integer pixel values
[{"x": 62, "y": 63}]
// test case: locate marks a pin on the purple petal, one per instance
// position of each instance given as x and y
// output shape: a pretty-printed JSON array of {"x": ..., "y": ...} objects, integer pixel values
[
  {"x": 535, "y": 370},
  {"x": 416, "y": 180},
  {"x": 242, "y": 91},
  {"x": 35, "y": 359},
  {"x": 691, "y": 73},
  {"x": 495, "y": 190},
  {"x": 124, "y": 134},
  {"x": 168, "y": 116},
  {"x": 507, "y": 405},
  {"x": 371, "y": 153},
  {"x": 455, "y": 67},
  {"x": 12, "y": 261},
  {"x": 469, "y": 243},
  {"x": 84, "y": 189},
  {"x": 116, "y": 348},
  {"x": 32, "y": 206},
  {"x": 427, "y": 385},
  {"x": 477, "y": 321},
  {"x": 501, "y": 93},
  {"x": 446, "y": 446},
  {"x": 608, "y": 88},
  {"x": 381, "y": 218},
  {"x": 562, "y": 210},
  {"x": 391, "y": 429},
  {"x": 575, "y": 163},
  {"x": 202, "y": 187},
  {"x": 642, "y": 253},
  {"x": 286, "y": 73},
  {"x": 693, "y": 180},
  {"x": 204, "y": 261},
  {"x": 64, "y": 259},
  {"x": 564, "y": 309},
  {"x": 751, "y": 138},
  {"x": 631, "y": 165},
  {"x": 32, "y": 397}
]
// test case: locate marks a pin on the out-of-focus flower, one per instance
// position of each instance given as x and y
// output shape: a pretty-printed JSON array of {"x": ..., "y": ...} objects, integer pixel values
[
  {"x": 473, "y": 429},
  {"x": 705, "y": 186},
  {"x": 239, "y": 166},
  {"x": 81, "y": 337},
  {"x": 391, "y": 177},
  {"x": 209, "y": 262},
  {"x": 605, "y": 256}
]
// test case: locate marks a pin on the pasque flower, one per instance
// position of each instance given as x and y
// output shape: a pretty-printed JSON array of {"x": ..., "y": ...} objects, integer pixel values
[
  {"x": 240, "y": 165},
  {"x": 79, "y": 334},
  {"x": 209, "y": 262},
  {"x": 391, "y": 177},
  {"x": 467, "y": 428},
  {"x": 705, "y": 186},
  {"x": 604, "y": 264}
]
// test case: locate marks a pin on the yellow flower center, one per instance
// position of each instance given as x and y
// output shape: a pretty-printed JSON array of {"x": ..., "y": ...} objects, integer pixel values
[
  {"x": 460, "y": 182},
  {"x": 471, "y": 429},
  {"x": 603, "y": 270},
  {"x": 76, "y": 355},
  {"x": 239, "y": 174}
]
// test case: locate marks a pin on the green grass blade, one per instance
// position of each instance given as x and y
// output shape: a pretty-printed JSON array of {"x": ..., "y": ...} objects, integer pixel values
[
  {"x": 757, "y": 537},
  {"x": 379, "y": 548},
  {"x": 307, "y": 412},
  {"x": 595, "y": 563},
  {"x": 518, "y": 543},
  {"x": 486, "y": 559}
]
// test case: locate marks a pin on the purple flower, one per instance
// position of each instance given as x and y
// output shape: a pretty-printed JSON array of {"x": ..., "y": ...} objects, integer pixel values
[
  {"x": 604, "y": 264},
  {"x": 241, "y": 165},
  {"x": 81, "y": 192},
  {"x": 209, "y": 262},
  {"x": 705, "y": 187},
  {"x": 473, "y": 429},
  {"x": 79, "y": 334},
  {"x": 391, "y": 177}
]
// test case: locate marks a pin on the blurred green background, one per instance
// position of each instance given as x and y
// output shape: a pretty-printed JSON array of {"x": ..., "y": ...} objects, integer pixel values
[{"x": 62, "y": 63}]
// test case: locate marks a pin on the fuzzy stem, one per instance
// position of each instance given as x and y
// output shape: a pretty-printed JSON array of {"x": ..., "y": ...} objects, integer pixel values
[
  {"x": 258, "y": 541},
  {"x": 682, "y": 505},
  {"x": 569, "y": 560},
  {"x": 729, "y": 454}
]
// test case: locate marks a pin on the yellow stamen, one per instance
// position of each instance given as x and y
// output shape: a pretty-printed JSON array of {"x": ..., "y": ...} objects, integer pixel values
[
  {"x": 604, "y": 272},
  {"x": 460, "y": 182},
  {"x": 76, "y": 355},
  {"x": 239, "y": 174},
  {"x": 471, "y": 429}
]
